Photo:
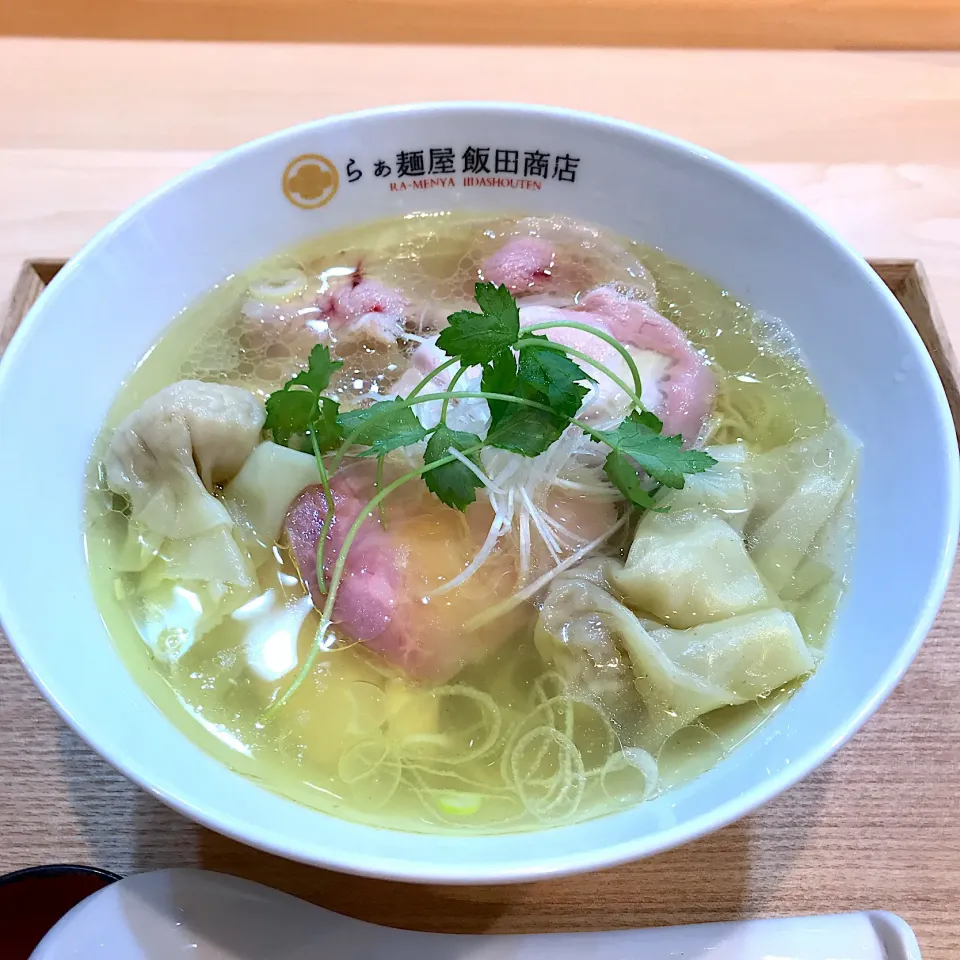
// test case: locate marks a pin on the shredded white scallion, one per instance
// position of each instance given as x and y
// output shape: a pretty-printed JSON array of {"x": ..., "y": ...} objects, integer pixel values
[
  {"x": 501, "y": 523},
  {"x": 524, "y": 545},
  {"x": 474, "y": 469},
  {"x": 549, "y": 540},
  {"x": 513, "y": 463},
  {"x": 414, "y": 337},
  {"x": 532, "y": 589},
  {"x": 565, "y": 533},
  {"x": 593, "y": 489}
]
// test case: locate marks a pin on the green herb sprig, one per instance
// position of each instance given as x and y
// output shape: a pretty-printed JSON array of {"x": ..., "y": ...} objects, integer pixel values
[
  {"x": 534, "y": 389},
  {"x": 300, "y": 408}
]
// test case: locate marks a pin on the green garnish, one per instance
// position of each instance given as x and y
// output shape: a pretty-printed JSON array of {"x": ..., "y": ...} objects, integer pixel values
[
  {"x": 499, "y": 376},
  {"x": 640, "y": 438},
  {"x": 478, "y": 337},
  {"x": 299, "y": 409},
  {"x": 623, "y": 475},
  {"x": 534, "y": 391},
  {"x": 292, "y": 411},
  {"x": 455, "y": 484},
  {"x": 387, "y": 425},
  {"x": 543, "y": 375},
  {"x": 526, "y": 430},
  {"x": 320, "y": 368},
  {"x": 547, "y": 370}
]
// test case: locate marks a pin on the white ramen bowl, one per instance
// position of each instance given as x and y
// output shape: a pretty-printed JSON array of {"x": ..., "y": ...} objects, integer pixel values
[{"x": 116, "y": 297}]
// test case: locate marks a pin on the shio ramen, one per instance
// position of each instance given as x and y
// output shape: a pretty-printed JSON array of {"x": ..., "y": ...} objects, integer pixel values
[{"x": 470, "y": 524}]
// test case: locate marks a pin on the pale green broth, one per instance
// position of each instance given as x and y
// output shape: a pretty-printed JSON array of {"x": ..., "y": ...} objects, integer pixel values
[{"x": 765, "y": 399}]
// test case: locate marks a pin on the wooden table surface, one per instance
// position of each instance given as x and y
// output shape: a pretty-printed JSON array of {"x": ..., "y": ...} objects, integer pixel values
[{"x": 871, "y": 141}]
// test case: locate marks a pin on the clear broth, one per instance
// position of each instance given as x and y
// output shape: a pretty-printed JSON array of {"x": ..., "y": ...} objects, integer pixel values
[{"x": 765, "y": 398}]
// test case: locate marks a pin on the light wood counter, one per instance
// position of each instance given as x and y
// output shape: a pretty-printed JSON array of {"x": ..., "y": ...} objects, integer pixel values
[
  {"x": 870, "y": 141},
  {"x": 824, "y": 24}
]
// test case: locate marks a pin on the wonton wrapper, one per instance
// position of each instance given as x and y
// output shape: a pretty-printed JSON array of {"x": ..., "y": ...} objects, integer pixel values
[
  {"x": 681, "y": 674},
  {"x": 268, "y": 483},
  {"x": 167, "y": 458},
  {"x": 789, "y": 520},
  {"x": 730, "y": 601},
  {"x": 726, "y": 489},
  {"x": 169, "y": 455},
  {"x": 689, "y": 568},
  {"x": 190, "y": 588}
]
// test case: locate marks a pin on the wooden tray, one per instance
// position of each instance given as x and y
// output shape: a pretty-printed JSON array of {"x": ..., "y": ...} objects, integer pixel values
[{"x": 878, "y": 826}]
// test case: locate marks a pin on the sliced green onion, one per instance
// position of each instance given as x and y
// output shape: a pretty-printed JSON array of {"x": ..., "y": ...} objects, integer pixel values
[
  {"x": 458, "y": 804},
  {"x": 285, "y": 284}
]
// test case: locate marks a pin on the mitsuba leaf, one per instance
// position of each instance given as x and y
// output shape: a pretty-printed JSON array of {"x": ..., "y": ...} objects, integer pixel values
[
  {"x": 320, "y": 368},
  {"x": 299, "y": 408},
  {"x": 526, "y": 430},
  {"x": 499, "y": 302},
  {"x": 454, "y": 483},
  {"x": 326, "y": 426},
  {"x": 623, "y": 475},
  {"x": 516, "y": 427},
  {"x": 477, "y": 338},
  {"x": 639, "y": 437},
  {"x": 553, "y": 374},
  {"x": 289, "y": 412},
  {"x": 384, "y": 426},
  {"x": 500, "y": 376}
]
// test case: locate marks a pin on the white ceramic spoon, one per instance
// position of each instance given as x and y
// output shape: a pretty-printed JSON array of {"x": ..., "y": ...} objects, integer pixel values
[{"x": 208, "y": 916}]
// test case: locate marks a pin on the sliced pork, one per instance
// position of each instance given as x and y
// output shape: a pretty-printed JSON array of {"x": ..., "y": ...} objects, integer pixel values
[
  {"x": 384, "y": 597},
  {"x": 362, "y": 307},
  {"x": 676, "y": 382},
  {"x": 554, "y": 256}
]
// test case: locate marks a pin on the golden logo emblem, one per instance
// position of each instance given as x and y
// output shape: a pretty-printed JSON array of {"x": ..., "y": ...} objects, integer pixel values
[{"x": 310, "y": 181}]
